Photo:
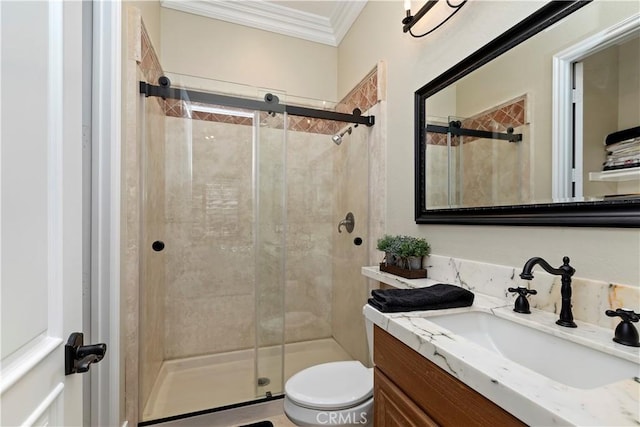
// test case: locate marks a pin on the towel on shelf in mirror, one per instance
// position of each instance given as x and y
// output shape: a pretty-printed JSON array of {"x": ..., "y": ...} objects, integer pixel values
[{"x": 622, "y": 149}]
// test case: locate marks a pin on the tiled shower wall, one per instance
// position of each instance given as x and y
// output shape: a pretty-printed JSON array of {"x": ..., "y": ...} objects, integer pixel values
[
  {"x": 210, "y": 276},
  {"x": 436, "y": 175},
  {"x": 351, "y": 171},
  {"x": 494, "y": 172},
  {"x": 152, "y": 228},
  {"x": 212, "y": 286},
  {"x": 212, "y": 280},
  {"x": 311, "y": 185}
]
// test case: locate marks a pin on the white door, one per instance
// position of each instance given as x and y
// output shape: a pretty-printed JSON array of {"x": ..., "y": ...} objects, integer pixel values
[{"x": 41, "y": 210}]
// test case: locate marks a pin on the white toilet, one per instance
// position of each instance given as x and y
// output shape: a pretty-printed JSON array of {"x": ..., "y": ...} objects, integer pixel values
[{"x": 332, "y": 394}]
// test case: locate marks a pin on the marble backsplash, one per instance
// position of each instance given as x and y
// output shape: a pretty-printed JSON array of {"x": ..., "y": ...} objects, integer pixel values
[{"x": 591, "y": 298}]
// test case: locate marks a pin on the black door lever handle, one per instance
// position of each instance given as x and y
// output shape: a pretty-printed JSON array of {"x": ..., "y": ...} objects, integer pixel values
[
  {"x": 98, "y": 350},
  {"x": 78, "y": 357},
  {"x": 84, "y": 364}
]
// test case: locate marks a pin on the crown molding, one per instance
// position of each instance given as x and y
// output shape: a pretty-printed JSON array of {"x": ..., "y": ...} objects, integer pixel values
[
  {"x": 276, "y": 18},
  {"x": 343, "y": 17}
]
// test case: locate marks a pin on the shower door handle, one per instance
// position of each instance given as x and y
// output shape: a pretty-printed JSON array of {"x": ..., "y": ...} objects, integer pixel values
[{"x": 349, "y": 222}]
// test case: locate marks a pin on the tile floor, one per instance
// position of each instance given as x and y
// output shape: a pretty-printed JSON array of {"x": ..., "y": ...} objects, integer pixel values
[{"x": 200, "y": 383}]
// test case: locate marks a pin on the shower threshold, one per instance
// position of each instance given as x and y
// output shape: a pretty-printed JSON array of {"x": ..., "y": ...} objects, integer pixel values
[{"x": 205, "y": 382}]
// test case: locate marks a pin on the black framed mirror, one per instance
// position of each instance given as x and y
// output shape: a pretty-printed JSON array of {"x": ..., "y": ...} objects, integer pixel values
[{"x": 514, "y": 144}]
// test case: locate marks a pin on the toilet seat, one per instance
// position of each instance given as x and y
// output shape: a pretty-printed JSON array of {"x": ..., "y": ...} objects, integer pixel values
[{"x": 331, "y": 386}]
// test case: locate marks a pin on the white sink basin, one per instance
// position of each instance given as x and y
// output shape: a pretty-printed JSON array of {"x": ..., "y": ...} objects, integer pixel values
[{"x": 559, "y": 359}]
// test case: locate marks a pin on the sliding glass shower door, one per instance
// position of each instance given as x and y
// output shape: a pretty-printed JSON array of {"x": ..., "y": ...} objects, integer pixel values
[
  {"x": 211, "y": 297},
  {"x": 270, "y": 261}
]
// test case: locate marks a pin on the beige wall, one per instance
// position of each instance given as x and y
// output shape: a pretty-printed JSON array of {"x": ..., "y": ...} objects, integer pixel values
[
  {"x": 599, "y": 253},
  {"x": 629, "y": 108},
  {"x": 611, "y": 93},
  {"x": 220, "y": 50},
  {"x": 600, "y": 115},
  {"x": 150, "y": 13},
  {"x": 629, "y": 93}
]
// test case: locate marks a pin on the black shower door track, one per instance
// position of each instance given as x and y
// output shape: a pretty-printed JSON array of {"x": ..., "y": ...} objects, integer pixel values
[
  {"x": 459, "y": 131},
  {"x": 270, "y": 104}
]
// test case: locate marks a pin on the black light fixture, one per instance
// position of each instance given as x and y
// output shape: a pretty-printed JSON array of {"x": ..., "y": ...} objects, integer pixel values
[{"x": 410, "y": 20}]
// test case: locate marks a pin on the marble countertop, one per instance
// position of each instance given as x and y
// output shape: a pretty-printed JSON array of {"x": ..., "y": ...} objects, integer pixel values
[{"x": 534, "y": 398}]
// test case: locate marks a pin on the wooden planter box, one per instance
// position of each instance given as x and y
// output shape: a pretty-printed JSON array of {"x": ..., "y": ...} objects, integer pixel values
[{"x": 403, "y": 272}]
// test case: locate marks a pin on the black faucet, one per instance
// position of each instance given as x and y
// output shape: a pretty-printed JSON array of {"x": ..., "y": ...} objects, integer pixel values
[{"x": 566, "y": 271}]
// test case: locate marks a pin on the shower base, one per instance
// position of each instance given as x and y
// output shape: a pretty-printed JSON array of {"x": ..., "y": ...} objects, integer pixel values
[{"x": 204, "y": 382}]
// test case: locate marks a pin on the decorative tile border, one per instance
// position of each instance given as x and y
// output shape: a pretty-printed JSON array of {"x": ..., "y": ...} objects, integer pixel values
[
  {"x": 497, "y": 119},
  {"x": 438, "y": 139},
  {"x": 363, "y": 96},
  {"x": 149, "y": 63}
]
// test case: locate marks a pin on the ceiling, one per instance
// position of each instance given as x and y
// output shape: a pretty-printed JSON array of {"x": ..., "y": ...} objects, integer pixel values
[{"x": 324, "y": 21}]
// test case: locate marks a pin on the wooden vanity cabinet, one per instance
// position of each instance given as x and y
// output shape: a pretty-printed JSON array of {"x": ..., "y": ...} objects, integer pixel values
[
  {"x": 394, "y": 408},
  {"x": 410, "y": 390}
]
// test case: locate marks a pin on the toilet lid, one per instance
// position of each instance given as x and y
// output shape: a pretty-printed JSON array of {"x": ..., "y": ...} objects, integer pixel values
[{"x": 336, "y": 385}]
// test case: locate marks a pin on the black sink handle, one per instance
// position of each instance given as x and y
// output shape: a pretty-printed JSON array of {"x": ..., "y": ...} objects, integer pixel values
[
  {"x": 624, "y": 314},
  {"x": 522, "y": 305},
  {"x": 625, "y": 332},
  {"x": 523, "y": 291}
]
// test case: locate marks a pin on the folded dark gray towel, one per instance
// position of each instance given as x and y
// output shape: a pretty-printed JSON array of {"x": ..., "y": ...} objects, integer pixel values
[
  {"x": 622, "y": 135},
  {"x": 434, "y": 297}
]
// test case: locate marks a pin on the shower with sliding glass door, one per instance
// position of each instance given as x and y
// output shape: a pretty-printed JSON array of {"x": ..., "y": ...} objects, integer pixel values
[
  {"x": 477, "y": 161},
  {"x": 243, "y": 272}
]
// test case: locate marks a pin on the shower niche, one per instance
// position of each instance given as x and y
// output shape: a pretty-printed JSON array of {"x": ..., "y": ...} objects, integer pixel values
[{"x": 251, "y": 281}]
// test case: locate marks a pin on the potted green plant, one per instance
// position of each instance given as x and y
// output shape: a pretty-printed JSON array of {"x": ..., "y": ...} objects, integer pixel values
[
  {"x": 413, "y": 250},
  {"x": 389, "y": 245},
  {"x": 404, "y": 251}
]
